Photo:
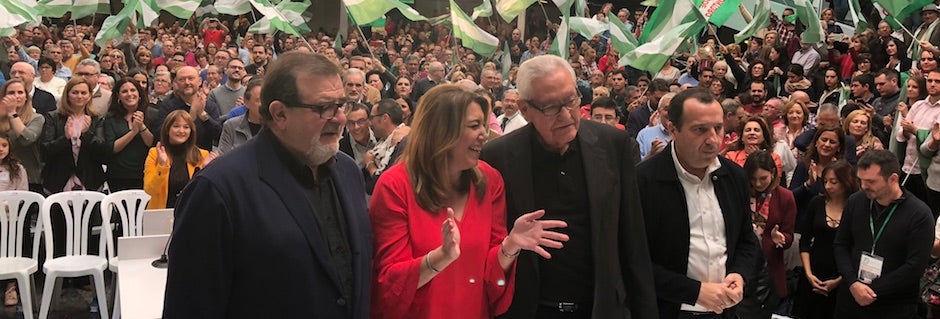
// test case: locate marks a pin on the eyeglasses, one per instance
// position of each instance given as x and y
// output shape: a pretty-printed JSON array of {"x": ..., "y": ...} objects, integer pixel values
[
  {"x": 360, "y": 122},
  {"x": 551, "y": 110},
  {"x": 85, "y": 75},
  {"x": 372, "y": 116},
  {"x": 327, "y": 111}
]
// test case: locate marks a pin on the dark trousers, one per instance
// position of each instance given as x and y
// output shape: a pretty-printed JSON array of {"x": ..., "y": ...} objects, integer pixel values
[
  {"x": 933, "y": 201},
  {"x": 916, "y": 185}
]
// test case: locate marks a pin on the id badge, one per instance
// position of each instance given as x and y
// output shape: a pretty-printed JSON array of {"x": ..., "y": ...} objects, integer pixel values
[{"x": 869, "y": 267}]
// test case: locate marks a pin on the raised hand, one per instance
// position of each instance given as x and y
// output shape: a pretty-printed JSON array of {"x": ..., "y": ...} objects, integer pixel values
[
  {"x": 86, "y": 123},
  {"x": 812, "y": 173},
  {"x": 137, "y": 121},
  {"x": 529, "y": 233},
  {"x": 68, "y": 128},
  {"x": 209, "y": 157},
  {"x": 162, "y": 158},
  {"x": 935, "y": 132},
  {"x": 451, "y": 235}
]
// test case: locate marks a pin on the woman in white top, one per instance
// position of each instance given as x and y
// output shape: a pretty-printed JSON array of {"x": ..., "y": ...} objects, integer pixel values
[{"x": 47, "y": 81}]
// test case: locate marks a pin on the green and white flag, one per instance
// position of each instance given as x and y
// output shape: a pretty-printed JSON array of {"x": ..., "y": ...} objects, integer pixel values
[
  {"x": 652, "y": 55},
  {"x": 588, "y": 27},
  {"x": 182, "y": 9},
  {"x": 718, "y": 11},
  {"x": 760, "y": 20},
  {"x": 286, "y": 16},
  {"x": 806, "y": 12},
  {"x": 470, "y": 34},
  {"x": 483, "y": 10},
  {"x": 509, "y": 9},
  {"x": 366, "y": 11},
  {"x": 855, "y": 13},
  {"x": 670, "y": 15},
  {"x": 114, "y": 26},
  {"x": 78, "y": 8},
  {"x": 559, "y": 46},
  {"x": 233, "y": 7},
  {"x": 650, "y": 3},
  {"x": 16, "y": 13},
  {"x": 901, "y": 9},
  {"x": 147, "y": 12},
  {"x": 620, "y": 37}
]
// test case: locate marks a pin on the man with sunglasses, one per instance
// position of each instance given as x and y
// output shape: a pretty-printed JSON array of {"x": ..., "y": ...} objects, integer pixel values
[
  {"x": 278, "y": 227},
  {"x": 582, "y": 173}
]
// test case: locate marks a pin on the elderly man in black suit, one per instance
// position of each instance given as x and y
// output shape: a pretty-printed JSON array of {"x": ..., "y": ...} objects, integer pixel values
[
  {"x": 581, "y": 173},
  {"x": 698, "y": 221},
  {"x": 277, "y": 228}
]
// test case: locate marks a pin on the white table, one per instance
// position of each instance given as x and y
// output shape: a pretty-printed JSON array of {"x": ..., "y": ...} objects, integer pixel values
[{"x": 141, "y": 285}]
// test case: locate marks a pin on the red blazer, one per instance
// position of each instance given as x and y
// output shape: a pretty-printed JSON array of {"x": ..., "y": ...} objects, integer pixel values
[
  {"x": 782, "y": 212},
  {"x": 473, "y": 286}
]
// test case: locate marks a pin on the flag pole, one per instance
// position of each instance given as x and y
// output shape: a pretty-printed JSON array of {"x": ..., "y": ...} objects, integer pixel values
[{"x": 362, "y": 35}]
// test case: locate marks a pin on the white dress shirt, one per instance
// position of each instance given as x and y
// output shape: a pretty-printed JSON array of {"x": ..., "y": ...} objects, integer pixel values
[
  {"x": 515, "y": 122},
  {"x": 708, "y": 248}
]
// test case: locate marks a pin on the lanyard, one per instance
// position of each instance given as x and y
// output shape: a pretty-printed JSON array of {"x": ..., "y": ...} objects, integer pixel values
[{"x": 871, "y": 224}]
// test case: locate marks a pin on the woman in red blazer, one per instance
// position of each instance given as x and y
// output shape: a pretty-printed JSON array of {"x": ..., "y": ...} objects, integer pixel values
[
  {"x": 773, "y": 212},
  {"x": 441, "y": 248}
]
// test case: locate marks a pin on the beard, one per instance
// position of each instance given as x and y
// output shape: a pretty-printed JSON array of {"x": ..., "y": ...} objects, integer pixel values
[{"x": 318, "y": 153}]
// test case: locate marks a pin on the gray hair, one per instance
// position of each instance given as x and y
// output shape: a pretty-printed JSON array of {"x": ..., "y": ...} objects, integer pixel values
[
  {"x": 730, "y": 106},
  {"x": 353, "y": 71},
  {"x": 162, "y": 73},
  {"x": 90, "y": 62},
  {"x": 828, "y": 108},
  {"x": 109, "y": 78},
  {"x": 537, "y": 68},
  {"x": 510, "y": 91},
  {"x": 664, "y": 101}
]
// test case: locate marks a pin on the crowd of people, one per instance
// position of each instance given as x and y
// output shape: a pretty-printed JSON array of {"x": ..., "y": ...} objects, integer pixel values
[{"x": 397, "y": 175}]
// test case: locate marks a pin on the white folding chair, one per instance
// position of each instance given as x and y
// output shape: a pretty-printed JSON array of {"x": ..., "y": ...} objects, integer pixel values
[
  {"x": 130, "y": 205},
  {"x": 14, "y": 208},
  {"x": 77, "y": 208}
]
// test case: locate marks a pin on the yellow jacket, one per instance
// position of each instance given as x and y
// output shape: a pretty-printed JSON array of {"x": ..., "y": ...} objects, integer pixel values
[{"x": 157, "y": 177}]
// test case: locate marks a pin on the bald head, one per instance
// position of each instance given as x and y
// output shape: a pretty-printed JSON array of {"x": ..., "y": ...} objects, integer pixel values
[
  {"x": 23, "y": 71},
  {"x": 436, "y": 71},
  {"x": 801, "y": 97}
]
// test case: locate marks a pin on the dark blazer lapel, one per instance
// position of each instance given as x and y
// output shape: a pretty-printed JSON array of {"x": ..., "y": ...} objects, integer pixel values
[
  {"x": 274, "y": 173},
  {"x": 520, "y": 157},
  {"x": 599, "y": 179}
]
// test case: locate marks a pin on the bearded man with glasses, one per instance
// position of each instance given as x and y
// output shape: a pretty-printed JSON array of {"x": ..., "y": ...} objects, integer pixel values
[{"x": 277, "y": 227}]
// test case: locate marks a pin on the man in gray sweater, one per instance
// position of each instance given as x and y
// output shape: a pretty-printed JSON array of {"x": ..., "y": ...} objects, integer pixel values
[{"x": 228, "y": 95}]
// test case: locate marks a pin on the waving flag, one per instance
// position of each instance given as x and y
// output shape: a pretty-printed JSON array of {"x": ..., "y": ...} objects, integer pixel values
[
  {"x": 182, "y": 9},
  {"x": 559, "y": 46},
  {"x": 588, "y": 27},
  {"x": 232, "y": 7},
  {"x": 483, "y": 10},
  {"x": 669, "y": 16},
  {"x": 509, "y": 9},
  {"x": 366, "y": 11},
  {"x": 620, "y": 37},
  {"x": 470, "y": 34},
  {"x": 78, "y": 8},
  {"x": 114, "y": 26},
  {"x": 760, "y": 20},
  {"x": 651, "y": 56},
  {"x": 16, "y": 13},
  {"x": 807, "y": 14},
  {"x": 286, "y": 16},
  {"x": 718, "y": 11}
]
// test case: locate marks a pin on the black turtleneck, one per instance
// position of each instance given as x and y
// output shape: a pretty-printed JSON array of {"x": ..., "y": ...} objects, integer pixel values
[{"x": 179, "y": 172}]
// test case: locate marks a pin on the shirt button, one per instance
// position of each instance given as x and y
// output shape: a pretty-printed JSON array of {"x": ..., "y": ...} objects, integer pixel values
[
  {"x": 473, "y": 281},
  {"x": 563, "y": 173},
  {"x": 341, "y": 302},
  {"x": 501, "y": 282}
]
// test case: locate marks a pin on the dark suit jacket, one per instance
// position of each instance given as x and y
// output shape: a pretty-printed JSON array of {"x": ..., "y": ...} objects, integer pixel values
[
  {"x": 44, "y": 102},
  {"x": 246, "y": 243},
  {"x": 56, "y": 149},
  {"x": 623, "y": 286},
  {"x": 667, "y": 227}
]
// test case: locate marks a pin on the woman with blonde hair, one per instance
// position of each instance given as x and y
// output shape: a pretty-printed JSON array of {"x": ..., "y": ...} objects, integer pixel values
[
  {"x": 858, "y": 125},
  {"x": 439, "y": 218},
  {"x": 73, "y": 142},
  {"x": 24, "y": 127},
  {"x": 171, "y": 164}
]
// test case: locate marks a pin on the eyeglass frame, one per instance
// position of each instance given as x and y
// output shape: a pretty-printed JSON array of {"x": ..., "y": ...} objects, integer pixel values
[
  {"x": 553, "y": 110},
  {"x": 320, "y": 109}
]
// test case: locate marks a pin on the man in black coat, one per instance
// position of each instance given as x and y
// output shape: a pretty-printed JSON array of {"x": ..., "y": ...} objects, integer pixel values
[
  {"x": 696, "y": 209},
  {"x": 581, "y": 172},
  {"x": 43, "y": 101}
]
